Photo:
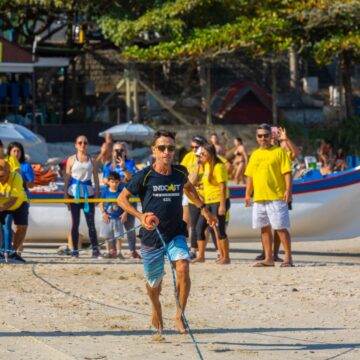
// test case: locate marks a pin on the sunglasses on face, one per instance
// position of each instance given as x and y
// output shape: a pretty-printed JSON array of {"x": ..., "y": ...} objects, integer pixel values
[
  {"x": 82, "y": 142},
  {"x": 265, "y": 136},
  {"x": 170, "y": 148}
]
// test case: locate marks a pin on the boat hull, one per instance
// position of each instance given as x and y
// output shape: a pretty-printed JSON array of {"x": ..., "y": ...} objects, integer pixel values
[{"x": 324, "y": 208}]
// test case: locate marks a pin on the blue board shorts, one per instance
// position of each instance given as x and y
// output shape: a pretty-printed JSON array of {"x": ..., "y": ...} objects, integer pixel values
[{"x": 154, "y": 259}]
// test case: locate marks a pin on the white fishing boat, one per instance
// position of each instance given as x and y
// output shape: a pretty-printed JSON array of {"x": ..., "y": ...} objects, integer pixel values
[{"x": 324, "y": 208}]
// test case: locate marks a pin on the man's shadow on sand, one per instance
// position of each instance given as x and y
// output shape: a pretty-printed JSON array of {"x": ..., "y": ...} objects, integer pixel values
[{"x": 294, "y": 345}]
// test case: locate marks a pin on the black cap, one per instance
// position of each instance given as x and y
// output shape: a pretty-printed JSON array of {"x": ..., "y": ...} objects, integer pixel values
[{"x": 198, "y": 139}]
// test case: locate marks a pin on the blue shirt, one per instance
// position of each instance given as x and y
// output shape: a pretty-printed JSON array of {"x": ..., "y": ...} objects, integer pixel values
[
  {"x": 162, "y": 195},
  {"x": 27, "y": 173},
  {"x": 112, "y": 209},
  {"x": 129, "y": 164}
]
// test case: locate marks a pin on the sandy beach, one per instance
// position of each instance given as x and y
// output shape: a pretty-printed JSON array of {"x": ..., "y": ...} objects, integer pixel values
[{"x": 57, "y": 308}]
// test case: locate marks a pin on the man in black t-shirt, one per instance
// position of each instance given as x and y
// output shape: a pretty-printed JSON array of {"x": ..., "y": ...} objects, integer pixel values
[{"x": 160, "y": 188}]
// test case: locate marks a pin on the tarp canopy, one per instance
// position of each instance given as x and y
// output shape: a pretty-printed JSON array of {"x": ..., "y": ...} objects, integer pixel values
[
  {"x": 129, "y": 132},
  {"x": 34, "y": 145}
]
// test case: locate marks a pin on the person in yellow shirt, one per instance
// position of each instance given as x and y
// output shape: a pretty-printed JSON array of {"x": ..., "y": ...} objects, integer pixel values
[
  {"x": 191, "y": 213},
  {"x": 11, "y": 160},
  {"x": 269, "y": 178},
  {"x": 217, "y": 200},
  {"x": 13, "y": 200}
]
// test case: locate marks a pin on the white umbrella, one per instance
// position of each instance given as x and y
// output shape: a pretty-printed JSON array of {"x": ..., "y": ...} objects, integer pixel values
[
  {"x": 129, "y": 132},
  {"x": 34, "y": 145}
]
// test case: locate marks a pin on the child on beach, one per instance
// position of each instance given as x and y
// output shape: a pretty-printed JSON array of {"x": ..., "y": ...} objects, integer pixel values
[{"x": 113, "y": 218}]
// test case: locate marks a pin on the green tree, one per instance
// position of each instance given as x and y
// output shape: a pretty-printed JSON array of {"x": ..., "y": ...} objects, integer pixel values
[{"x": 331, "y": 29}]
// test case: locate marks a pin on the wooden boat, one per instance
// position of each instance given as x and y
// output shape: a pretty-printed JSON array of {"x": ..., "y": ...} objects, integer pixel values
[{"x": 324, "y": 208}]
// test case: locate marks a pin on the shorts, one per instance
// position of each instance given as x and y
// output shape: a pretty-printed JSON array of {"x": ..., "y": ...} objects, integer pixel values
[
  {"x": 154, "y": 259},
  {"x": 113, "y": 230},
  {"x": 19, "y": 215},
  {"x": 274, "y": 213},
  {"x": 185, "y": 200}
]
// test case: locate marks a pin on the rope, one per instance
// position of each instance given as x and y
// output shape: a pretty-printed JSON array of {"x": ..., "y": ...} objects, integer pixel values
[
  {"x": 73, "y": 201},
  {"x": 177, "y": 296},
  {"x": 81, "y": 250}
]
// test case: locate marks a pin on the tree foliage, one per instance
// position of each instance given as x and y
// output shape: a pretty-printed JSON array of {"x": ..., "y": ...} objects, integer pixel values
[{"x": 191, "y": 29}]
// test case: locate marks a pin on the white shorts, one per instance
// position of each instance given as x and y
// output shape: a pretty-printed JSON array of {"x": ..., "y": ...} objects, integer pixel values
[
  {"x": 185, "y": 200},
  {"x": 113, "y": 230},
  {"x": 274, "y": 213}
]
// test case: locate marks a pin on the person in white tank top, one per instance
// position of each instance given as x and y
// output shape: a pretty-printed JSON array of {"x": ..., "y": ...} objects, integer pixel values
[{"x": 80, "y": 169}]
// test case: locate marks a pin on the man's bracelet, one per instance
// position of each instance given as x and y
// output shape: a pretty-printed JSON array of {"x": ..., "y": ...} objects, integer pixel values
[{"x": 203, "y": 206}]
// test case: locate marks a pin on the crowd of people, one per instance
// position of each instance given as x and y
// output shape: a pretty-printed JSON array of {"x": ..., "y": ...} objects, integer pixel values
[
  {"x": 191, "y": 200},
  {"x": 209, "y": 164}
]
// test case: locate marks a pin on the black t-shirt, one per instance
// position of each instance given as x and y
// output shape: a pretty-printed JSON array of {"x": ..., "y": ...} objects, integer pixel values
[{"x": 162, "y": 195}]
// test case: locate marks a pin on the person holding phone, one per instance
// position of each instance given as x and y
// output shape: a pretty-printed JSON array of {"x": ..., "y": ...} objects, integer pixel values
[{"x": 126, "y": 168}]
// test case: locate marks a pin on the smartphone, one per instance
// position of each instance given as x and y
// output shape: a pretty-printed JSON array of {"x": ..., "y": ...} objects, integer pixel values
[
  {"x": 198, "y": 152},
  {"x": 275, "y": 132},
  {"x": 119, "y": 153}
]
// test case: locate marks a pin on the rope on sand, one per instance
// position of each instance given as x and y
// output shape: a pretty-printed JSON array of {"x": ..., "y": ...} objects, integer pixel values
[{"x": 177, "y": 296}]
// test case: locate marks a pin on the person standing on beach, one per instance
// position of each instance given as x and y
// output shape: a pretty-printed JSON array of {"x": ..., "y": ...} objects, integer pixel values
[
  {"x": 269, "y": 177},
  {"x": 190, "y": 211},
  {"x": 160, "y": 187},
  {"x": 80, "y": 168},
  {"x": 126, "y": 168},
  {"x": 220, "y": 149},
  {"x": 14, "y": 202},
  {"x": 217, "y": 200},
  {"x": 105, "y": 155}
]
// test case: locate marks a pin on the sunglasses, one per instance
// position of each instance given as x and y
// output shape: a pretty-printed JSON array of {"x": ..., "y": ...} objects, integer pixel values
[
  {"x": 82, "y": 142},
  {"x": 265, "y": 136},
  {"x": 170, "y": 148},
  {"x": 195, "y": 146}
]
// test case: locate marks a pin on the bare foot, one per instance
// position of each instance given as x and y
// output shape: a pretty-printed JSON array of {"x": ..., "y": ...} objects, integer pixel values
[
  {"x": 198, "y": 260},
  {"x": 223, "y": 261},
  {"x": 156, "y": 319},
  {"x": 180, "y": 327}
]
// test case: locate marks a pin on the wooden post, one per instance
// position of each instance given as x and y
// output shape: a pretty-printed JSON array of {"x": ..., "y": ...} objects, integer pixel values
[
  {"x": 274, "y": 92},
  {"x": 135, "y": 92},
  {"x": 208, "y": 95},
  {"x": 294, "y": 68},
  {"x": 128, "y": 96}
]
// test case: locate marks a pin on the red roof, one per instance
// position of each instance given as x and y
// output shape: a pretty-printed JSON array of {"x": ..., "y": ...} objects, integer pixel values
[
  {"x": 242, "y": 102},
  {"x": 12, "y": 53}
]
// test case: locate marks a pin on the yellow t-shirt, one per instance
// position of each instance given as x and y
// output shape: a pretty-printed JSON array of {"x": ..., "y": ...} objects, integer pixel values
[
  {"x": 267, "y": 167},
  {"x": 212, "y": 189},
  {"x": 190, "y": 162},
  {"x": 13, "y": 188},
  {"x": 13, "y": 163}
]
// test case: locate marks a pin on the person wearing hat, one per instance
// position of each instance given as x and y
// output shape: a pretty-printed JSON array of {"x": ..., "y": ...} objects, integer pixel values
[{"x": 13, "y": 200}]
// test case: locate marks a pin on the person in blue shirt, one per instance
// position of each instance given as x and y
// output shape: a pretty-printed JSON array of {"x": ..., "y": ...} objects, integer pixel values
[
  {"x": 126, "y": 169},
  {"x": 113, "y": 217}
]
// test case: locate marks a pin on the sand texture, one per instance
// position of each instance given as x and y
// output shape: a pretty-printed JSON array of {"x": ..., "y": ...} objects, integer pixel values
[{"x": 59, "y": 308}]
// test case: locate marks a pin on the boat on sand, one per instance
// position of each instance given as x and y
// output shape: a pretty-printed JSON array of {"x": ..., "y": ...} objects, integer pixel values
[{"x": 324, "y": 208}]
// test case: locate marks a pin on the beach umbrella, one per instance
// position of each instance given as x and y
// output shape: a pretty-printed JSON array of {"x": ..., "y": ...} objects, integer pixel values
[
  {"x": 34, "y": 145},
  {"x": 129, "y": 132}
]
